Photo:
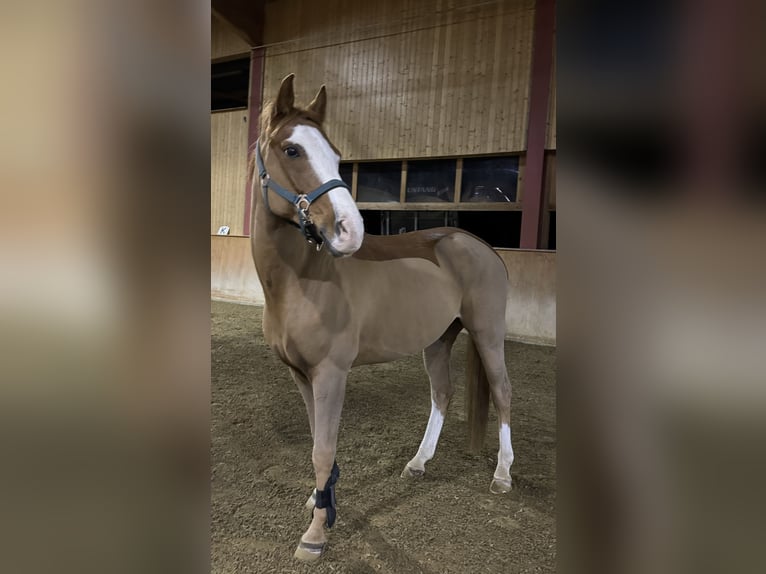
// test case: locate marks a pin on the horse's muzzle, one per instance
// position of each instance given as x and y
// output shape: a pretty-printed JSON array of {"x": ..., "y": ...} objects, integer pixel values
[
  {"x": 345, "y": 239},
  {"x": 328, "y": 244}
]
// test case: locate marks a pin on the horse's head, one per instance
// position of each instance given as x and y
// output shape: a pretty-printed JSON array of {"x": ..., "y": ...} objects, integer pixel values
[{"x": 299, "y": 166}]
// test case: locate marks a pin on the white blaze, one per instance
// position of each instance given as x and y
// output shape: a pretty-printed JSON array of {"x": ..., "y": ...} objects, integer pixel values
[{"x": 324, "y": 162}]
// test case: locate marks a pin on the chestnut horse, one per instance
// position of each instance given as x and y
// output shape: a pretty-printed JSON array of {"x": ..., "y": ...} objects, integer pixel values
[{"x": 336, "y": 297}]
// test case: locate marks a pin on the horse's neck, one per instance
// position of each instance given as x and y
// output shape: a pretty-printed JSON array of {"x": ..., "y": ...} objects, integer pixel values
[{"x": 280, "y": 252}]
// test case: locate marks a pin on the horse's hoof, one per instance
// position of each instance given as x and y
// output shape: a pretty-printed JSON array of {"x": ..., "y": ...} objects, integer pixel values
[
  {"x": 499, "y": 486},
  {"x": 308, "y": 552},
  {"x": 312, "y": 501},
  {"x": 410, "y": 472}
]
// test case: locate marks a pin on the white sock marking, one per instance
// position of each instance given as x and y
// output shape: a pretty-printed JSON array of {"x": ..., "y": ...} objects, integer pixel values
[
  {"x": 505, "y": 454},
  {"x": 430, "y": 438}
]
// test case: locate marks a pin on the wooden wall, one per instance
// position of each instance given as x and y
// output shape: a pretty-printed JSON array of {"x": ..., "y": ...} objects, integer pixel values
[
  {"x": 232, "y": 271},
  {"x": 550, "y": 136},
  {"x": 224, "y": 41},
  {"x": 530, "y": 313},
  {"x": 228, "y": 142},
  {"x": 408, "y": 78},
  {"x": 228, "y": 167}
]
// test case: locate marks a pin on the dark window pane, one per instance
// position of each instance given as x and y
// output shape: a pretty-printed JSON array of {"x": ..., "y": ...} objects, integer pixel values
[
  {"x": 230, "y": 84},
  {"x": 498, "y": 228},
  {"x": 490, "y": 179},
  {"x": 373, "y": 221},
  {"x": 386, "y": 222},
  {"x": 552, "y": 231},
  {"x": 401, "y": 222},
  {"x": 347, "y": 172},
  {"x": 431, "y": 181},
  {"x": 430, "y": 219},
  {"x": 753, "y": 159},
  {"x": 379, "y": 182},
  {"x": 404, "y": 221}
]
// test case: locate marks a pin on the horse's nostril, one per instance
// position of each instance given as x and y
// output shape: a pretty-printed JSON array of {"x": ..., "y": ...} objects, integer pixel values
[{"x": 340, "y": 227}]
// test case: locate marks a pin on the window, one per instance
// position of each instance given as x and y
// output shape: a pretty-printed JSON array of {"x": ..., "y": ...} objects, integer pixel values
[
  {"x": 430, "y": 181},
  {"x": 347, "y": 173},
  {"x": 490, "y": 179},
  {"x": 498, "y": 228},
  {"x": 230, "y": 85},
  {"x": 379, "y": 182},
  {"x": 487, "y": 204},
  {"x": 552, "y": 231},
  {"x": 395, "y": 222}
]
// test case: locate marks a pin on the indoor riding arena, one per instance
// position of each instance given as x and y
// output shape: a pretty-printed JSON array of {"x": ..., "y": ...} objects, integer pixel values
[{"x": 443, "y": 112}]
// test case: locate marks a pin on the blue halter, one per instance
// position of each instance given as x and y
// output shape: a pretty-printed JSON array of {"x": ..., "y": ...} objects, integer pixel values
[{"x": 301, "y": 201}]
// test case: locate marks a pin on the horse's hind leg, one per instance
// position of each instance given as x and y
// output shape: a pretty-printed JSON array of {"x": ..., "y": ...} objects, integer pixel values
[
  {"x": 492, "y": 353},
  {"x": 436, "y": 359}
]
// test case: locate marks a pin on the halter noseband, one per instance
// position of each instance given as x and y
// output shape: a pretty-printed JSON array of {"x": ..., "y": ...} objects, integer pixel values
[{"x": 301, "y": 201}]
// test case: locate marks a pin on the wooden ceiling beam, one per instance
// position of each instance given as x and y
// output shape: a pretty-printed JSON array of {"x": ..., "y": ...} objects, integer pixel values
[{"x": 246, "y": 17}]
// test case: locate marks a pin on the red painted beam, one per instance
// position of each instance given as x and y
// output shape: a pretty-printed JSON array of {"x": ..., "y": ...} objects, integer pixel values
[
  {"x": 257, "y": 60},
  {"x": 539, "y": 94}
]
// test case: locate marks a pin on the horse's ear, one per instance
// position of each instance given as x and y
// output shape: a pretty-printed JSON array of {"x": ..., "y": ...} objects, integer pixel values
[
  {"x": 319, "y": 104},
  {"x": 286, "y": 97}
]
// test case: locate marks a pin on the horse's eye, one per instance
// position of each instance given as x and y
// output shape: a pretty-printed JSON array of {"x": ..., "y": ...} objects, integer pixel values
[{"x": 291, "y": 152}]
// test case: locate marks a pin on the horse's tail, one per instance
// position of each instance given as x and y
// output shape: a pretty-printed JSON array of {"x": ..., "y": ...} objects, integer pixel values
[{"x": 476, "y": 398}]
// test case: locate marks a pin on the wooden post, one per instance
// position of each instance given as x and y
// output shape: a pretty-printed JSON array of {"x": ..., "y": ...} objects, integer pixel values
[
  {"x": 354, "y": 180},
  {"x": 255, "y": 105},
  {"x": 539, "y": 92},
  {"x": 252, "y": 18}
]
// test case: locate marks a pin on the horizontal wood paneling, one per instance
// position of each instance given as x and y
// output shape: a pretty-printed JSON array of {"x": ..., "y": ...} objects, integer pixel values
[
  {"x": 408, "y": 78},
  {"x": 228, "y": 166},
  {"x": 530, "y": 314},
  {"x": 224, "y": 41},
  {"x": 232, "y": 271}
]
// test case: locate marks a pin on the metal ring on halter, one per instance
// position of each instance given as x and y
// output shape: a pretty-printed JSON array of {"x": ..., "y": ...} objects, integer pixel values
[{"x": 303, "y": 198}]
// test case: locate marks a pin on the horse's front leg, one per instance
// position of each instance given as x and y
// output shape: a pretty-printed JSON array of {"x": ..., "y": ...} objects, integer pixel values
[
  {"x": 329, "y": 385},
  {"x": 307, "y": 392}
]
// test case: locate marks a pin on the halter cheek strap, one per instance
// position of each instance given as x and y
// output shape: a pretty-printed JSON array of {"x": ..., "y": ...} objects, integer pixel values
[{"x": 302, "y": 201}]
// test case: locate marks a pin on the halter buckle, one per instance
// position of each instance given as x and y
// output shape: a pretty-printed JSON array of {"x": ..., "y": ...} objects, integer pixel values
[{"x": 304, "y": 219}]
